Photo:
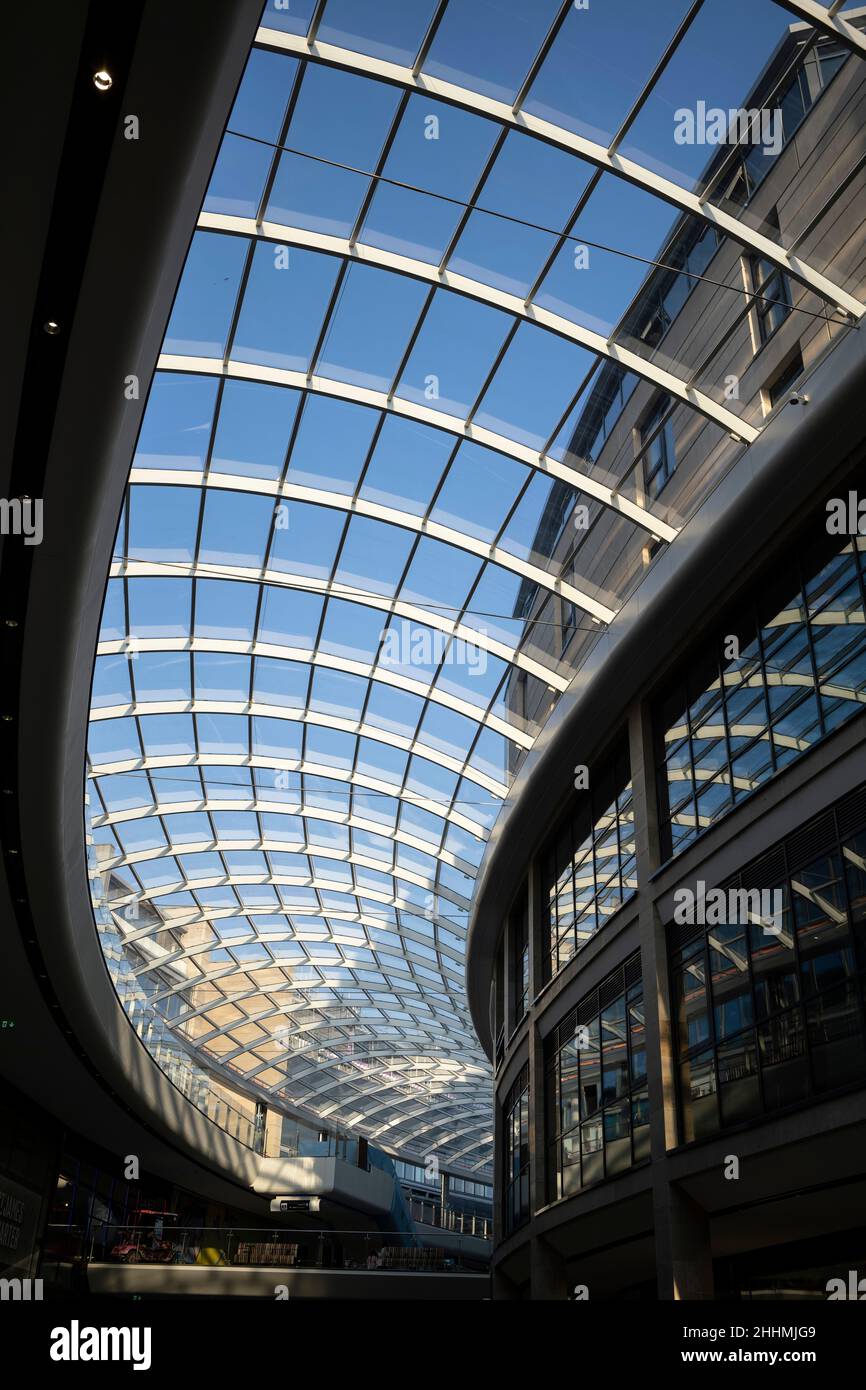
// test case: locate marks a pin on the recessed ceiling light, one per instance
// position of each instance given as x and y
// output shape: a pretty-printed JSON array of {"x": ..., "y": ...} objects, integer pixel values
[{"x": 102, "y": 80}]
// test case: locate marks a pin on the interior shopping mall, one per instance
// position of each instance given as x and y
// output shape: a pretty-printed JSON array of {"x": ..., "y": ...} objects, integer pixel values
[{"x": 513, "y": 947}]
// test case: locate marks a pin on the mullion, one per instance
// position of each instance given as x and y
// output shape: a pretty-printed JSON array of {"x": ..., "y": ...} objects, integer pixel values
[
  {"x": 541, "y": 56},
  {"x": 563, "y": 419},
  {"x": 328, "y": 317},
  {"x": 316, "y": 20},
  {"x": 283, "y": 139},
  {"x": 470, "y": 205},
  {"x": 565, "y": 235},
  {"x": 385, "y": 151},
  {"x": 494, "y": 368},
  {"x": 427, "y": 41},
  {"x": 638, "y": 105}
]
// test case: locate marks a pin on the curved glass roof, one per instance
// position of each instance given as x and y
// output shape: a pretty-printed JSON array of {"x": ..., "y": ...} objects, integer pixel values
[{"x": 346, "y": 591}]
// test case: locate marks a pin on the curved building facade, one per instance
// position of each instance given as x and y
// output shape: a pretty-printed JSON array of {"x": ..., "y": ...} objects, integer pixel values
[
  {"x": 434, "y": 647},
  {"x": 667, "y": 946}
]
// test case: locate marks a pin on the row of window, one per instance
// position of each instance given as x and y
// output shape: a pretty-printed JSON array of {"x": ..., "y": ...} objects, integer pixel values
[
  {"x": 662, "y": 298},
  {"x": 789, "y": 668},
  {"x": 782, "y": 672},
  {"x": 596, "y": 1101},
  {"x": 771, "y": 1013},
  {"x": 515, "y": 1153},
  {"x": 588, "y": 866}
]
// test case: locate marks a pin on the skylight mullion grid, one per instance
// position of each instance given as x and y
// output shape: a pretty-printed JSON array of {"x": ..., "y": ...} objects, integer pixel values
[
  {"x": 735, "y": 151},
  {"x": 385, "y": 151},
  {"x": 566, "y": 235},
  {"x": 508, "y": 447},
  {"x": 429, "y": 37},
  {"x": 635, "y": 173},
  {"x": 650, "y": 85},
  {"x": 541, "y": 56},
  {"x": 471, "y": 204}
]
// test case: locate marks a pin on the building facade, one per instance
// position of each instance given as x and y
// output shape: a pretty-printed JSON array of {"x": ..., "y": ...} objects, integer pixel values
[{"x": 666, "y": 955}]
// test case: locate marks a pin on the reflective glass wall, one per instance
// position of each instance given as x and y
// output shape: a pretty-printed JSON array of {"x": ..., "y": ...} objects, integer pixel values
[
  {"x": 766, "y": 1019},
  {"x": 781, "y": 674},
  {"x": 596, "y": 1101},
  {"x": 515, "y": 1133},
  {"x": 588, "y": 865}
]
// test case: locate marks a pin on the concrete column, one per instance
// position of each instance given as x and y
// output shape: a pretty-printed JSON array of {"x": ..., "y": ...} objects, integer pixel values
[
  {"x": 684, "y": 1258},
  {"x": 547, "y": 1272},
  {"x": 682, "y": 1238},
  {"x": 537, "y": 1182},
  {"x": 534, "y": 927},
  {"x": 653, "y": 943},
  {"x": 501, "y": 1287}
]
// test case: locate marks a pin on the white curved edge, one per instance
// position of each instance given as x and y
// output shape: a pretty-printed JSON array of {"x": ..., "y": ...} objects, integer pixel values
[
  {"x": 359, "y": 506},
  {"x": 437, "y": 419},
  {"x": 305, "y": 767},
  {"x": 834, "y": 25},
  {"x": 270, "y": 846},
  {"x": 412, "y": 612},
  {"x": 500, "y": 299},
  {"x": 132, "y": 646},
  {"x": 305, "y": 811},
  {"x": 548, "y": 131}
]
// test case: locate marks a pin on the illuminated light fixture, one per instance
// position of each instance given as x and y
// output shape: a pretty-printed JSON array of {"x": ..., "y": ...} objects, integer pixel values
[
  {"x": 102, "y": 80},
  {"x": 51, "y": 328}
]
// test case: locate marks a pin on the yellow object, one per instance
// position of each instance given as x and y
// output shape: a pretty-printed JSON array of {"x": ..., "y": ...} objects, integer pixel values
[{"x": 209, "y": 1255}]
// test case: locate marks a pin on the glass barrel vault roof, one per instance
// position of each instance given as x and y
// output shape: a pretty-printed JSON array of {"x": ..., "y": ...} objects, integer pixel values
[{"x": 342, "y": 540}]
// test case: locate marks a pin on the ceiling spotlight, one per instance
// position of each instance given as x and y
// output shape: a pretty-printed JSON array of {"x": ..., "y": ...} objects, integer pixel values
[
  {"x": 51, "y": 327},
  {"x": 102, "y": 80}
]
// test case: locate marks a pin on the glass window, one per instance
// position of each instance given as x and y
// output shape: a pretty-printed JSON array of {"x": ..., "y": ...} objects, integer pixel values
[
  {"x": 596, "y": 1108},
  {"x": 786, "y": 1021},
  {"x": 657, "y": 441}
]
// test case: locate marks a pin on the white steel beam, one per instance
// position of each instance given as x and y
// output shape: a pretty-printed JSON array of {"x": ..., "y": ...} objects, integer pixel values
[
  {"x": 132, "y": 645},
  {"x": 486, "y": 294},
  {"x": 412, "y": 612},
  {"x": 398, "y": 75},
  {"x": 360, "y": 506},
  {"x": 425, "y": 415}
]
